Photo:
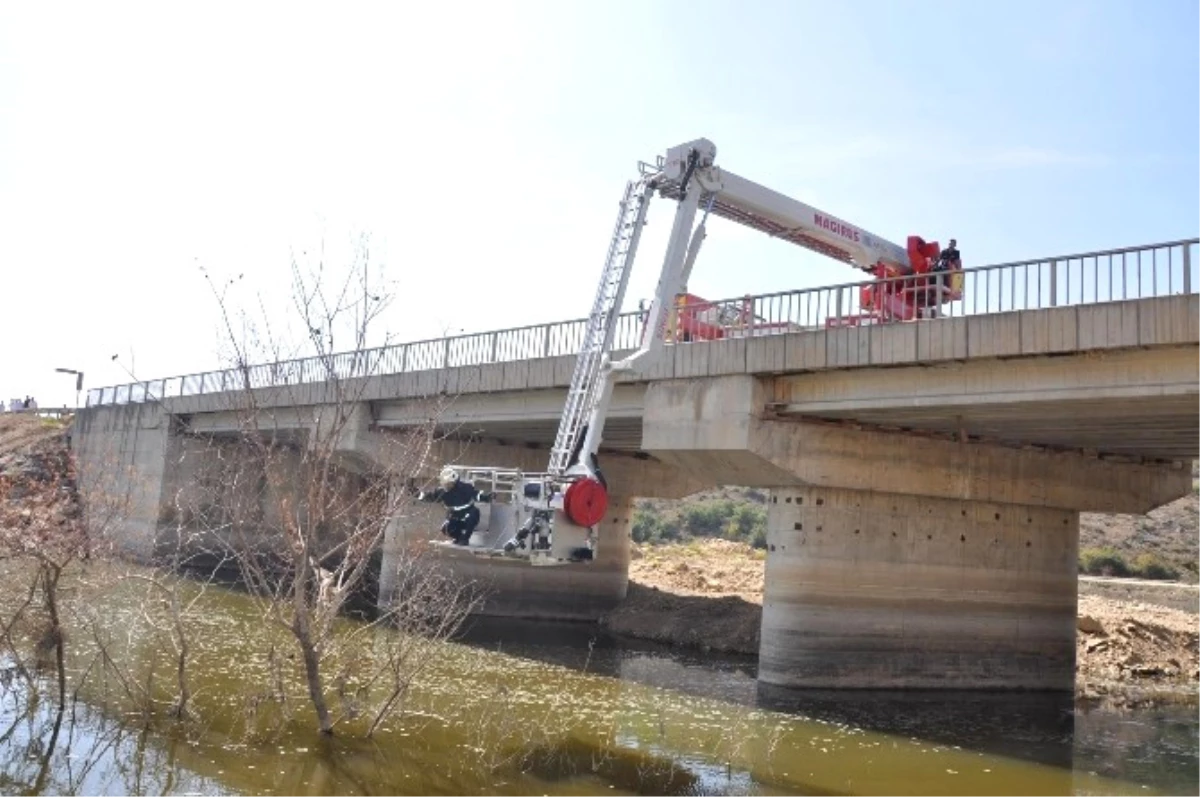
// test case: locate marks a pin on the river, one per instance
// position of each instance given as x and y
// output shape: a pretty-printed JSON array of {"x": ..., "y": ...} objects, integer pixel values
[{"x": 522, "y": 708}]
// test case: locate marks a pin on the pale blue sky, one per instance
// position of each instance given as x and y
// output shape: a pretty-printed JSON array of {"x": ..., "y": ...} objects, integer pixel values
[{"x": 485, "y": 147}]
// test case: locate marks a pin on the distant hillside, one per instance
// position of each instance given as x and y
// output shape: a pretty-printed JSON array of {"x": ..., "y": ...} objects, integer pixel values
[
  {"x": 1169, "y": 533},
  {"x": 1163, "y": 544}
]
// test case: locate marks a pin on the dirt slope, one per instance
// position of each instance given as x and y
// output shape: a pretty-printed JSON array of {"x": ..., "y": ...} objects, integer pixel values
[
  {"x": 701, "y": 567},
  {"x": 39, "y": 506},
  {"x": 18, "y": 431}
]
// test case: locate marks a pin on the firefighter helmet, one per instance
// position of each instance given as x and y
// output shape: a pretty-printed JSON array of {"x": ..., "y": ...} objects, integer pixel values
[{"x": 448, "y": 477}]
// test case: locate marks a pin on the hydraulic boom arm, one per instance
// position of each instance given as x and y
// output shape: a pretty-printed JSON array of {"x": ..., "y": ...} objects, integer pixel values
[
  {"x": 760, "y": 208},
  {"x": 689, "y": 175}
]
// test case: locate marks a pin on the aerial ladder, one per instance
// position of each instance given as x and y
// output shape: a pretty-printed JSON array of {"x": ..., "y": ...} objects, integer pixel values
[{"x": 551, "y": 517}]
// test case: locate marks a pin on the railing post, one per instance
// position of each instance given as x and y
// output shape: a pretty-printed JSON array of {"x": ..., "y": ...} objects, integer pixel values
[
  {"x": 495, "y": 347},
  {"x": 1187, "y": 269},
  {"x": 546, "y": 341},
  {"x": 841, "y": 294},
  {"x": 1054, "y": 283},
  {"x": 446, "y": 353}
]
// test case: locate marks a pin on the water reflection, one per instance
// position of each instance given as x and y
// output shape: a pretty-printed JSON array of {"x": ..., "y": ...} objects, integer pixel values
[
  {"x": 1155, "y": 746},
  {"x": 82, "y": 750},
  {"x": 589, "y": 648},
  {"x": 557, "y": 708},
  {"x": 1032, "y": 726},
  {"x": 1160, "y": 748}
]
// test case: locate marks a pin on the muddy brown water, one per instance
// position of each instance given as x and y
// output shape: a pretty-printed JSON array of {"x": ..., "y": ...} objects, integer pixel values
[{"x": 522, "y": 708}]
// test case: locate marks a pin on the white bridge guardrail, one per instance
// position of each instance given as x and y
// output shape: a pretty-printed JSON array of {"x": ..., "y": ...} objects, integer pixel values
[{"x": 1138, "y": 272}]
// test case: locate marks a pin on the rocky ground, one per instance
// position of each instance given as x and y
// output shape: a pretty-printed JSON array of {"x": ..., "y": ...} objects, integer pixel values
[
  {"x": 707, "y": 594},
  {"x": 1135, "y": 651}
]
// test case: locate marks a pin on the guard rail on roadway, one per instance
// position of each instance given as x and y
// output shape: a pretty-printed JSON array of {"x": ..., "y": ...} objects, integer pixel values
[
  {"x": 40, "y": 412},
  {"x": 1137, "y": 272}
]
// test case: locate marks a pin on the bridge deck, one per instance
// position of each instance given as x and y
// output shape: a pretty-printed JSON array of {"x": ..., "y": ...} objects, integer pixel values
[{"x": 1009, "y": 361}]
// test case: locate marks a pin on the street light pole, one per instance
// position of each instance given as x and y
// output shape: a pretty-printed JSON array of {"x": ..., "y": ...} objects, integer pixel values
[{"x": 78, "y": 381}]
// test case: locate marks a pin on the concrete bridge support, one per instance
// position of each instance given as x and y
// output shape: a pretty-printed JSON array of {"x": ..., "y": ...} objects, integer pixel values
[
  {"x": 513, "y": 587},
  {"x": 125, "y": 454},
  {"x": 897, "y": 561},
  {"x": 867, "y": 589}
]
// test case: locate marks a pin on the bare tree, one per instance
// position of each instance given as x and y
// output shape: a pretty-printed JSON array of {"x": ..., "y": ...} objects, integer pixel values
[
  {"x": 41, "y": 523},
  {"x": 299, "y": 492}
]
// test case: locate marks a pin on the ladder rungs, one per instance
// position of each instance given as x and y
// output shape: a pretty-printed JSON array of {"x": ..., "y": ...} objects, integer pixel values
[{"x": 582, "y": 395}]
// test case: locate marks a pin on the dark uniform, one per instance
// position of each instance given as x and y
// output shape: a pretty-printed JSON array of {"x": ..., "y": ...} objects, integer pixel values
[
  {"x": 949, "y": 258},
  {"x": 463, "y": 515}
]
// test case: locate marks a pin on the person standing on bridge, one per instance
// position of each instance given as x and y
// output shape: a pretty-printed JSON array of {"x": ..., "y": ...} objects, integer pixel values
[
  {"x": 459, "y": 498},
  {"x": 949, "y": 258}
]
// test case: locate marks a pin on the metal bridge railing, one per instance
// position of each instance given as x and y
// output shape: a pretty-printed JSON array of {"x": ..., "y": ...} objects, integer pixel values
[{"x": 1139, "y": 272}]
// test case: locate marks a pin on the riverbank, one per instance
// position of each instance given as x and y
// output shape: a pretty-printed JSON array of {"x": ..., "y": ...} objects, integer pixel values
[{"x": 707, "y": 595}]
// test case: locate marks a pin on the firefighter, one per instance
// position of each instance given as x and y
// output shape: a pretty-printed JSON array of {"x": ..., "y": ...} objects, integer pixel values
[
  {"x": 462, "y": 515},
  {"x": 949, "y": 258}
]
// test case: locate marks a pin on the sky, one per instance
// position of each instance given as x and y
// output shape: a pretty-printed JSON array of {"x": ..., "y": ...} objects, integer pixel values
[{"x": 483, "y": 147}]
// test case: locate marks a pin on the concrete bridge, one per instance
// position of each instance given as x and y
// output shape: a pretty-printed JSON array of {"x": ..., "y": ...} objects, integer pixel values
[{"x": 926, "y": 477}]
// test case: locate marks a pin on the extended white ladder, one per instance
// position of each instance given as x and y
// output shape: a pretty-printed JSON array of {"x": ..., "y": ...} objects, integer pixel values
[{"x": 601, "y": 325}]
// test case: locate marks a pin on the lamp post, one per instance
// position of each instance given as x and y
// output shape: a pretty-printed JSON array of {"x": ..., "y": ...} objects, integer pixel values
[{"x": 78, "y": 381}]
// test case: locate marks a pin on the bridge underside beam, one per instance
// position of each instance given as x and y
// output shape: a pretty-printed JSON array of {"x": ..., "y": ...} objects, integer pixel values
[
  {"x": 720, "y": 428},
  {"x": 896, "y": 561},
  {"x": 1130, "y": 402}
]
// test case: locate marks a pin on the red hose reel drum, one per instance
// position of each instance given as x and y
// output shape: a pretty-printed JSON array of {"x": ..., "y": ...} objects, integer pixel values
[{"x": 585, "y": 502}]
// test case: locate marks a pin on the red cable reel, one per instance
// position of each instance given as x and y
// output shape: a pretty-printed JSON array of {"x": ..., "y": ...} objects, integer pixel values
[{"x": 585, "y": 502}]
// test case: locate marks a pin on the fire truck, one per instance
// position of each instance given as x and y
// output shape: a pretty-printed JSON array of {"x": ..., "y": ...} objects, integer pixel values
[
  {"x": 551, "y": 517},
  {"x": 697, "y": 319}
]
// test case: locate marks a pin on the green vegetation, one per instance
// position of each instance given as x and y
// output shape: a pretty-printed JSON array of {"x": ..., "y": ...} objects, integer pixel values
[
  {"x": 733, "y": 514},
  {"x": 1110, "y": 562},
  {"x": 1148, "y": 565},
  {"x": 1102, "y": 562}
]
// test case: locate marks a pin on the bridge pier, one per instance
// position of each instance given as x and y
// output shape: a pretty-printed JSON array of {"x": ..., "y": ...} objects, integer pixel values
[
  {"x": 880, "y": 590},
  {"x": 513, "y": 587},
  {"x": 903, "y": 561}
]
